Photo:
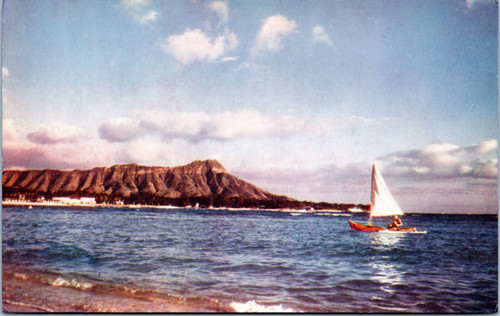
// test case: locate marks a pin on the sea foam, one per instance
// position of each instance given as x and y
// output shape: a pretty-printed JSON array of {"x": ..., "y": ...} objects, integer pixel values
[
  {"x": 254, "y": 307},
  {"x": 71, "y": 283}
]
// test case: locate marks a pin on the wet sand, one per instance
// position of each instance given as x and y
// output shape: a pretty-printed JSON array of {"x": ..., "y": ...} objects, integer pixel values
[{"x": 25, "y": 292}]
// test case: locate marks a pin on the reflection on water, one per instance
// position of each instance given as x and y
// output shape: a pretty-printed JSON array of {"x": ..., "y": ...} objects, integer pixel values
[
  {"x": 386, "y": 239},
  {"x": 386, "y": 272}
]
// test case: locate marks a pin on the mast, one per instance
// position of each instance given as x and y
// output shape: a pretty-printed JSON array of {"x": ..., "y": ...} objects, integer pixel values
[{"x": 372, "y": 197}]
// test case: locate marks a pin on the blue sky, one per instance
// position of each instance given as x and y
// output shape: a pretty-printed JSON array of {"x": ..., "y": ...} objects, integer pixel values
[{"x": 297, "y": 97}]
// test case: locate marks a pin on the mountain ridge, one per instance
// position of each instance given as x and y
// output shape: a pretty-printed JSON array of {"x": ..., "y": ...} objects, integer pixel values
[
  {"x": 200, "y": 179},
  {"x": 205, "y": 183}
]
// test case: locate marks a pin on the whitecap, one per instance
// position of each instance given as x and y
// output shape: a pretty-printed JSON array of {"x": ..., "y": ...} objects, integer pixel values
[{"x": 254, "y": 307}]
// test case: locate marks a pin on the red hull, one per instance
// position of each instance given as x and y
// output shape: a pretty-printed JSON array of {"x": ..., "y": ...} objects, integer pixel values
[{"x": 369, "y": 228}]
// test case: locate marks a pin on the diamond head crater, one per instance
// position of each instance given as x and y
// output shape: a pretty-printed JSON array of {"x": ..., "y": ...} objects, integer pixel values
[{"x": 198, "y": 184}]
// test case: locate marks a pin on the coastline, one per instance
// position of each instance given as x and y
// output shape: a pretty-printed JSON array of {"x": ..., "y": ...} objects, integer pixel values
[
  {"x": 26, "y": 291},
  {"x": 58, "y": 204},
  {"x": 285, "y": 210},
  {"x": 138, "y": 206}
]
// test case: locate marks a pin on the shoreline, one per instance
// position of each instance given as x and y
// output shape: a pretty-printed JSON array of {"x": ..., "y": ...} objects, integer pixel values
[
  {"x": 34, "y": 291},
  {"x": 58, "y": 204},
  {"x": 29, "y": 203},
  {"x": 166, "y": 207},
  {"x": 26, "y": 291}
]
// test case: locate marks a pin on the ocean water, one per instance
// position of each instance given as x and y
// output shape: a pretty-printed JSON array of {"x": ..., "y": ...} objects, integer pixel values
[{"x": 228, "y": 260}]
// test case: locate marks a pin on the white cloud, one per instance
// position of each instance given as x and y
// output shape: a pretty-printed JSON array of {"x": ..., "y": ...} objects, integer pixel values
[
  {"x": 273, "y": 30},
  {"x": 197, "y": 126},
  {"x": 197, "y": 45},
  {"x": 229, "y": 58},
  {"x": 57, "y": 133},
  {"x": 121, "y": 129},
  {"x": 5, "y": 73},
  {"x": 190, "y": 126},
  {"x": 63, "y": 155},
  {"x": 484, "y": 168},
  {"x": 56, "y": 145},
  {"x": 138, "y": 9},
  {"x": 10, "y": 131},
  {"x": 194, "y": 45},
  {"x": 320, "y": 36},
  {"x": 225, "y": 126},
  {"x": 484, "y": 147},
  {"x": 148, "y": 17},
  {"x": 221, "y": 9},
  {"x": 444, "y": 160}
]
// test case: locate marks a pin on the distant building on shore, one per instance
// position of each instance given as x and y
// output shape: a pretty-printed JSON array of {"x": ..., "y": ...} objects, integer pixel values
[{"x": 70, "y": 201}]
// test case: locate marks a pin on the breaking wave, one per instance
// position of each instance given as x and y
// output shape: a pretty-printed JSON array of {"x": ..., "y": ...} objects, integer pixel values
[
  {"x": 71, "y": 283},
  {"x": 254, "y": 307}
]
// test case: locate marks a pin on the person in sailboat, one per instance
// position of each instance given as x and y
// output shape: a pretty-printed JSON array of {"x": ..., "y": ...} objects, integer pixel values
[{"x": 396, "y": 223}]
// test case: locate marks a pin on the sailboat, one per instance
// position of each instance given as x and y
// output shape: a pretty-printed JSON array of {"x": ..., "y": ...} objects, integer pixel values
[{"x": 382, "y": 204}]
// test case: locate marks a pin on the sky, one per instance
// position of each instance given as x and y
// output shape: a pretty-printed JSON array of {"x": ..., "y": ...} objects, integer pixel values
[{"x": 296, "y": 97}]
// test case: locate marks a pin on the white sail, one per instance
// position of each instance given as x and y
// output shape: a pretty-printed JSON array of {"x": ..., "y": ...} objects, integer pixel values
[{"x": 382, "y": 202}]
